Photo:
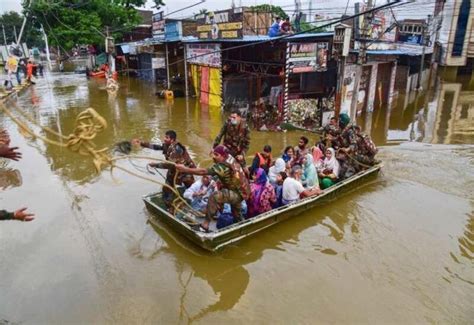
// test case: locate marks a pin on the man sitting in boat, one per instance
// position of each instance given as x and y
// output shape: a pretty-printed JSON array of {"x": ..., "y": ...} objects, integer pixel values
[
  {"x": 293, "y": 189},
  {"x": 301, "y": 151},
  {"x": 235, "y": 135},
  {"x": 174, "y": 152},
  {"x": 234, "y": 185},
  {"x": 198, "y": 193}
]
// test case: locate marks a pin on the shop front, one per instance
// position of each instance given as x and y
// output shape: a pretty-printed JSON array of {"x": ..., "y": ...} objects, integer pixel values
[{"x": 310, "y": 81}]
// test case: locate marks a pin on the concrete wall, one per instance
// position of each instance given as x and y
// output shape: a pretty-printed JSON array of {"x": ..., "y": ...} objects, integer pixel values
[{"x": 448, "y": 31}]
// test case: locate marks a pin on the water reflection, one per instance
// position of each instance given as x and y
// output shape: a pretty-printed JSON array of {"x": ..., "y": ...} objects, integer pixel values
[{"x": 444, "y": 113}]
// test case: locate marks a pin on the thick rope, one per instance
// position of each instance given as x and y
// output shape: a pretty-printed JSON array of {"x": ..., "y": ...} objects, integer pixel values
[{"x": 88, "y": 124}]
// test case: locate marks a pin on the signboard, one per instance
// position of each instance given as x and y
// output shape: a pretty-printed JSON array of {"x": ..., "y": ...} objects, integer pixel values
[
  {"x": 158, "y": 26},
  {"x": 158, "y": 63},
  {"x": 173, "y": 30},
  {"x": 221, "y": 24},
  {"x": 204, "y": 54},
  {"x": 307, "y": 57},
  {"x": 382, "y": 19}
]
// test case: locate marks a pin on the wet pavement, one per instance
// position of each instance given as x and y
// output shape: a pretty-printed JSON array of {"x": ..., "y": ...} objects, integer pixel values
[{"x": 398, "y": 250}]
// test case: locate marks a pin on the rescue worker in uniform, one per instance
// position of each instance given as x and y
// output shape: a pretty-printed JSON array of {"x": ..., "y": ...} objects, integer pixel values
[
  {"x": 233, "y": 186},
  {"x": 235, "y": 136},
  {"x": 176, "y": 153}
]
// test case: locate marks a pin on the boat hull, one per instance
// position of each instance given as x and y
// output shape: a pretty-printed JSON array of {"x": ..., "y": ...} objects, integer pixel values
[{"x": 215, "y": 240}]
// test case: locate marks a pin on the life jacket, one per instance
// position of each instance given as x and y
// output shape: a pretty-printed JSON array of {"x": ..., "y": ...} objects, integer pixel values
[{"x": 263, "y": 161}]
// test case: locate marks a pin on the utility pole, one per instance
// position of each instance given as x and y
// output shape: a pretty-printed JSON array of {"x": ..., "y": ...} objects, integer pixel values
[
  {"x": 424, "y": 33},
  {"x": 361, "y": 59},
  {"x": 47, "y": 48},
  {"x": 341, "y": 44},
  {"x": 14, "y": 31},
  {"x": 4, "y": 37},
  {"x": 110, "y": 49}
]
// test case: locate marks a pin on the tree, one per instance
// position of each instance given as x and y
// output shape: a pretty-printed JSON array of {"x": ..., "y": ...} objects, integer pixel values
[
  {"x": 11, "y": 20},
  {"x": 275, "y": 10},
  {"x": 68, "y": 23}
]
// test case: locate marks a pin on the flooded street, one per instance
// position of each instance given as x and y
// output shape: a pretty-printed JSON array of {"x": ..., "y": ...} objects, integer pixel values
[{"x": 398, "y": 250}]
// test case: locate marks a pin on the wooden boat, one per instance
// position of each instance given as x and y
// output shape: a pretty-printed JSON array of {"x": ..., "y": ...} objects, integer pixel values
[{"x": 213, "y": 241}]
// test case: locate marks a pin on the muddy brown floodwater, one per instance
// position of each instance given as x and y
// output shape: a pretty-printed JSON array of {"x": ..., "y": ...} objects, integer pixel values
[{"x": 398, "y": 250}]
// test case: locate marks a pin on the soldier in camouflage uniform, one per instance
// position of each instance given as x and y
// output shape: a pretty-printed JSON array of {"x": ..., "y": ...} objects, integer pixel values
[
  {"x": 236, "y": 137},
  {"x": 233, "y": 188},
  {"x": 353, "y": 144},
  {"x": 174, "y": 152}
]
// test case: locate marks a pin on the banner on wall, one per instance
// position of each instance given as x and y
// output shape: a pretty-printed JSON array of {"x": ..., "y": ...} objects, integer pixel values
[
  {"x": 204, "y": 54},
  {"x": 158, "y": 63},
  {"x": 307, "y": 57}
]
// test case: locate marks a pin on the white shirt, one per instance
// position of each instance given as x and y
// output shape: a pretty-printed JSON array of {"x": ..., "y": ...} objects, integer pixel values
[{"x": 292, "y": 190}]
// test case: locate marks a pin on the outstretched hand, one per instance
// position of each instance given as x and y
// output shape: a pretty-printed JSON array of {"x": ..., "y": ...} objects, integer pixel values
[
  {"x": 10, "y": 153},
  {"x": 22, "y": 215}
]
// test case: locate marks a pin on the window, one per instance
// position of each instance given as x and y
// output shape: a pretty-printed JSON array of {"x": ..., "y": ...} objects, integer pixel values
[{"x": 458, "y": 44}]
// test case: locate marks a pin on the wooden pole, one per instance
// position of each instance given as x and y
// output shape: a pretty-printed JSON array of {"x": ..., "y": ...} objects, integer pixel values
[
  {"x": 167, "y": 68},
  {"x": 361, "y": 60},
  {"x": 186, "y": 90}
]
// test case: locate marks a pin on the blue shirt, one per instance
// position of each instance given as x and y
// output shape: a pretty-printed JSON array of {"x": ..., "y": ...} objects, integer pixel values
[{"x": 274, "y": 30}]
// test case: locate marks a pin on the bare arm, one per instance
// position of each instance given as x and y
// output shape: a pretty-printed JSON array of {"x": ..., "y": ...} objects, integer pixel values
[
  {"x": 311, "y": 192},
  {"x": 193, "y": 171}
]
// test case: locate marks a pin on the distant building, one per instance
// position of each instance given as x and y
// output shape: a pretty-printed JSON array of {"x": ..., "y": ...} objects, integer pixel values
[
  {"x": 456, "y": 34},
  {"x": 411, "y": 31},
  {"x": 143, "y": 30}
]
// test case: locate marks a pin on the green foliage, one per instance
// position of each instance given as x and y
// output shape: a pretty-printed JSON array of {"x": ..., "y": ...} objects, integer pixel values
[
  {"x": 276, "y": 10},
  {"x": 308, "y": 26},
  {"x": 72, "y": 22},
  {"x": 31, "y": 35}
]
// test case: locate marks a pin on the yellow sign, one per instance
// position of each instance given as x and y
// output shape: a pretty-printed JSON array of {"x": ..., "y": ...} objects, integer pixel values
[
  {"x": 204, "y": 28},
  {"x": 222, "y": 26},
  {"x": 230, "y": 26},
  {"x": 203, "y": 35},
  {"x": 230, "y": 34}
]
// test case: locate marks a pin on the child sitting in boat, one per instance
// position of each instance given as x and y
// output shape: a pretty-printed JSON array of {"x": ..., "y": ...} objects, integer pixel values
[{"x": 278, "y": 186}]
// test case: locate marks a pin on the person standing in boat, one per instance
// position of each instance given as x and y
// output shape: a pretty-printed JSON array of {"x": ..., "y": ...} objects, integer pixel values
[
  {"x": 174, "y": 152},
  {"x": 233, "y": 184},
  {"x": 235, "y": 136}
]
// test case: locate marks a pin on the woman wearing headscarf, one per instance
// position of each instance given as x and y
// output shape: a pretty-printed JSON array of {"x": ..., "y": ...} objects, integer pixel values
[
  {"x": 329, "y": 171},
  {"x": 262, "y": 194},
  {"x": 310, "y": 175},
  {"x": 276, "y": 169}
]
